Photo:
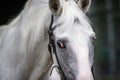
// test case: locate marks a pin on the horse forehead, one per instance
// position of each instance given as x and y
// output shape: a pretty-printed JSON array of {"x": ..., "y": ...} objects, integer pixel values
[
  {"x": 74, "y": 32},
  {"x": 73, "y": 23},
  {"x": 78, "y": 39}
]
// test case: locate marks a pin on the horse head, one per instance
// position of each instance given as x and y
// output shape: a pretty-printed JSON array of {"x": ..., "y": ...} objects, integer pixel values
[{"x": 73, "y": 38}]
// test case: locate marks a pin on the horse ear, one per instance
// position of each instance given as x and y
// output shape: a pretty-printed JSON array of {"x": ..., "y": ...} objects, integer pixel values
[
  {"x": 84, "y": 5},
  {"x": 55, "y": 7}
]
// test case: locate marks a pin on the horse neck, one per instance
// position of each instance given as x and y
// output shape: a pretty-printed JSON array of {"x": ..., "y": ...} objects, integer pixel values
[{"x": 33, "y": 22}]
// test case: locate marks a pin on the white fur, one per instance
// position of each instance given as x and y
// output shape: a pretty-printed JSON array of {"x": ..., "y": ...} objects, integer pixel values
[
  {"x": 23, "y": 42},
  {"x": 78, "y": 36}
]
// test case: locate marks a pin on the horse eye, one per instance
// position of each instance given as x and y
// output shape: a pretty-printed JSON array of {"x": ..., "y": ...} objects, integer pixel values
[
  {"x": 93, "y": 40},
  {"x": 61, "y": 44}
]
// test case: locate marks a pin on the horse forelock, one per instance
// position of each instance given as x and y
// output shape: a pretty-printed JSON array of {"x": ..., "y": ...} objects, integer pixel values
[{"x": 70, "y": 13}]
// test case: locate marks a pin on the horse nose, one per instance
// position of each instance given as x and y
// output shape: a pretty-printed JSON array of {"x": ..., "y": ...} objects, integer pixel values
[{"x": 79, "y": 74}]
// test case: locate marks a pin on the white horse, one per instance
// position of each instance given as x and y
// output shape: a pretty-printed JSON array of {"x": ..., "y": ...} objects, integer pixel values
[{"x": 24, "y": 53}]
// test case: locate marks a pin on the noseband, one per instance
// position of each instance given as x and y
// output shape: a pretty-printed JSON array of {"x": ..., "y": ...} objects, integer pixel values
[{"x": 52, "y": 49}]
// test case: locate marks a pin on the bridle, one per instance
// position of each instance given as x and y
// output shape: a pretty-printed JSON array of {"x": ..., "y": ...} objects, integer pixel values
[{"x": 52, "y": 49}]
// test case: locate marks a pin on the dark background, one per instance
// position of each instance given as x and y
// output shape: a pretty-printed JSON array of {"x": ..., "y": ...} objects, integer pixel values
[
  {"x": 105, "y": 18},
  {"x": 10, "y": 9}
]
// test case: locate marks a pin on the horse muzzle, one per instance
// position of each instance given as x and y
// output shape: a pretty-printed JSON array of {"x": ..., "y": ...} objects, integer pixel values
[{"x": 73, "y": 72}]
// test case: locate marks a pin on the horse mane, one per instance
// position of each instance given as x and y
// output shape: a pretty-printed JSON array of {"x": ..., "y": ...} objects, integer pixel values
[
  {"x": 70, "y": 12},
  {"x": 31, "y": 21},
  {"x": 26, "y": 38}
]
